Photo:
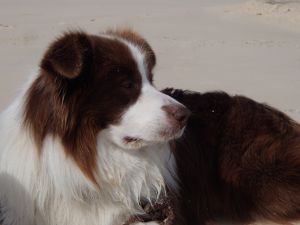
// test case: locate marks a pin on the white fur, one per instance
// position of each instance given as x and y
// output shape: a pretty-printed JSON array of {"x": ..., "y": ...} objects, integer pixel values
[
  {"x": 50, "y": 189},
  {"x": 146, "y": 118}
]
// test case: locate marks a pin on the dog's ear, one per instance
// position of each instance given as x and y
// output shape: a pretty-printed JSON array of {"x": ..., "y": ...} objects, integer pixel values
[{"x": 69, "y": 56}]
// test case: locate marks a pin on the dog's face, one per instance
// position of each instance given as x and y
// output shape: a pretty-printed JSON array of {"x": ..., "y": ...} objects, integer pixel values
[
  {"x": 91, "y": 84},
  {"x": 151, "y": 116}
]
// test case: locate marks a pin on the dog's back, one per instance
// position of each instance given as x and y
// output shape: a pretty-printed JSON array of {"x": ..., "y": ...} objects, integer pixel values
[{"x": 238, "y": 161}]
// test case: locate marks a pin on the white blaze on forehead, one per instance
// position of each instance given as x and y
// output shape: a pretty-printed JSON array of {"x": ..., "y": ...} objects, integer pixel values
[{"x": 139, "y": 58}]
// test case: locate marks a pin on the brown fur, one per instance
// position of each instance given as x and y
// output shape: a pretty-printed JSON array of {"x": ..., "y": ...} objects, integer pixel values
[
  {"x": 85, "y": 84},
  {"x": 135, "y": 38},
  {"x": 238, "y": 161}
]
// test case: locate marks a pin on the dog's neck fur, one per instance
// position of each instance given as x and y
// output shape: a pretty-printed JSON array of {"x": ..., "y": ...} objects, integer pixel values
[{"x": 57, "y": 189}]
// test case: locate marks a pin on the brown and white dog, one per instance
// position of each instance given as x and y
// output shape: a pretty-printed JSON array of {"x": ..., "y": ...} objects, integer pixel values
[{"x": 87, "y": 141}]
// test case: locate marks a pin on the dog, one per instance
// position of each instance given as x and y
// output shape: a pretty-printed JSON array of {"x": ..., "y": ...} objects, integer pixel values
[
  {"x": 86, "y": 142},
  {"x": 238, "y": 162},
  {"x": 90, "y": 139}
]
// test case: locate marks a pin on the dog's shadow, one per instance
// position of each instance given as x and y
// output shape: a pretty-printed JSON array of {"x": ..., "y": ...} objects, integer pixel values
[{"x": 16, "y": 206}]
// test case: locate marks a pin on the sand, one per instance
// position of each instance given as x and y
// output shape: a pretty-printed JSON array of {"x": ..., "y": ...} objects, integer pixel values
[{"x": 243, "y": 47}]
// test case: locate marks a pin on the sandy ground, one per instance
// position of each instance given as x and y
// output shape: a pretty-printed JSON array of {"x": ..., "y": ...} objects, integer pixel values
[{"x": 242, "y": 47}]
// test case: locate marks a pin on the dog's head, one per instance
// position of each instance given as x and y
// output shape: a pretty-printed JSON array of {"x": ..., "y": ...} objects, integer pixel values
[{"x": 90, "y": 84}]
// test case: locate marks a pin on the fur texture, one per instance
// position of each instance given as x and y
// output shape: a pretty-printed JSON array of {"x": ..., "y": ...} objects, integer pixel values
[
  {"x": 86, "y": 143},
  {"x": 238, "y": 161}
]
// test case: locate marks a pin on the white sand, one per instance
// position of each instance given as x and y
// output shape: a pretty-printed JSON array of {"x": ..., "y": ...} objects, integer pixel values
[
  {"x": 242, "y": 47},
  {"x": 283, "y": 12}
]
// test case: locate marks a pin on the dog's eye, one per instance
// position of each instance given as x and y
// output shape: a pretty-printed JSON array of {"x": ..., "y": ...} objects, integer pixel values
[
  {"x": 120, "y": 70},
  {"x": 127, "y": 84},
  {"x": 123, "y": 75}
]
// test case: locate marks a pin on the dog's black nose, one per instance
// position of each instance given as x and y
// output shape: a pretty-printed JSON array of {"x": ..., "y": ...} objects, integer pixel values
[{"x": 178, "y": 113}]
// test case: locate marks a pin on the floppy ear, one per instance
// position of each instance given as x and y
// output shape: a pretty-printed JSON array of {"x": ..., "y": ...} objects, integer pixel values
[{"x": 69, "y": 56}]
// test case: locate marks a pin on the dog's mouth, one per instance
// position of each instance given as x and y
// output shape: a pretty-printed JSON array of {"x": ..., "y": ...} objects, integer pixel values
[
  {"x": 164, "y": 136},
  {"x": 132, "y": 140}
]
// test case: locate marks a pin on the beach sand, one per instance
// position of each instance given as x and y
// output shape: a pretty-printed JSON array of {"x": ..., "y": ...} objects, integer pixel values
[{"x": 242, "y": 47}]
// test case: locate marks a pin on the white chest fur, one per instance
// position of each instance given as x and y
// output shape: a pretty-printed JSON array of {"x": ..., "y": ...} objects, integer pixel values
[{"x": 50, "y": 189}]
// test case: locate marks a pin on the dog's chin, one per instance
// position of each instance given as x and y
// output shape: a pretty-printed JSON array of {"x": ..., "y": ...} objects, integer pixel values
[
  {"x": 132, "y": 142},
  {"x": 171, "y": 133}
]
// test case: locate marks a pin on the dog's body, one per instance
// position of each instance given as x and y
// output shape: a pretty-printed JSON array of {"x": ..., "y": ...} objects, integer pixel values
[
  {"x": 238, "y": 161},
  {"x": 86, "y": 142}
]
